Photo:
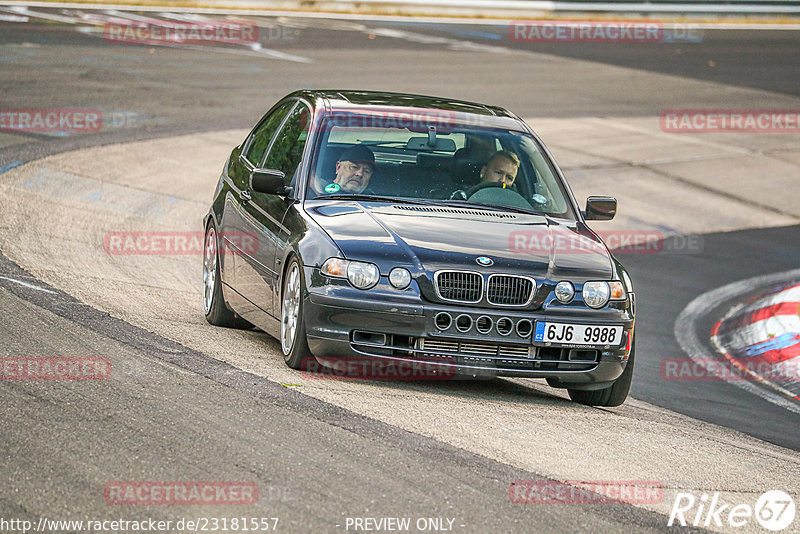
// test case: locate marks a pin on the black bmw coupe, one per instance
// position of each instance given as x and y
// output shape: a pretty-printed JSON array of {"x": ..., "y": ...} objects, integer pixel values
[{"x": 414, "y": 230}]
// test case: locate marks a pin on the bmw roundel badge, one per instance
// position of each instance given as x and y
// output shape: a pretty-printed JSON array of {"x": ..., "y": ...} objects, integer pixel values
[{"x": 483, "y": 260}]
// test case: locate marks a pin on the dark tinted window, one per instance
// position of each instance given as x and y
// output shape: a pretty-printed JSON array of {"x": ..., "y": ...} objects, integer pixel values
[
  {"x": 287, "y": 149},
  {"x": 264, "y": 133}
]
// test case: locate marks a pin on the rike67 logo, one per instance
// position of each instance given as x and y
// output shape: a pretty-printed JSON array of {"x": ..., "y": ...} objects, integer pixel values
[{"x": 774, "y": 510}]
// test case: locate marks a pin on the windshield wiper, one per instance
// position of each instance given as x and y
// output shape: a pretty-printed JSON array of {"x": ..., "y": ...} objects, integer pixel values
[
  {"x": 373, "y": 198},
  {"x": 491, "y": 207},
  {"x": 429, "y": 202}
]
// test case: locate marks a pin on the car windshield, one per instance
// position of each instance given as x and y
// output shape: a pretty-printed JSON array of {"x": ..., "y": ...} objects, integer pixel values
[{"x": 431, "y": 159}]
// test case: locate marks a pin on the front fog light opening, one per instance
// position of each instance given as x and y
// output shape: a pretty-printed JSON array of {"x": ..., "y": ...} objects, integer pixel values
[
  {"x": 565, "y": 291},
  {"x": 524, "y": 328},
  {"x": 443, "y": 321},
  {"x": 484, "y": 324},
  {"x": 363, "y": 275},
  {"x": 463, "y": 323},
  {"x": 504, "y": 326},
  {"x": 400, "y": 278},
  {"x": 596, "y": 294}
]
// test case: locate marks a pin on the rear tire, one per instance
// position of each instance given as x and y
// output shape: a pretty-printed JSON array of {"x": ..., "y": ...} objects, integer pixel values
[
  {"x": 294, "y": 343},
  {"x": 214, "y": 306},
  {"x": 613, "y": 395}
]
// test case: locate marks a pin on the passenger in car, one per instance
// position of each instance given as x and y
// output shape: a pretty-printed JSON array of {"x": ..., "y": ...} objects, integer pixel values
[{"x": 354, "y": 170}]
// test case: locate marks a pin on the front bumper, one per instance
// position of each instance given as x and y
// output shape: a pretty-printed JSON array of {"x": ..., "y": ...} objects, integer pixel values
[{"x": 344, "y": 323}]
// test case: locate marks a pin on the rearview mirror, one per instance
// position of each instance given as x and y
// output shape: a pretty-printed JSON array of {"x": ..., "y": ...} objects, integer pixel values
[
  {"x": 600, "y": 208},
  {"x": 440, "y": 144},
  {"x": 269, "y": 181}
]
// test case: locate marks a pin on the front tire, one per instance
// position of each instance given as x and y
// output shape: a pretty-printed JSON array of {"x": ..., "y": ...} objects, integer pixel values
[
  {"x": 613, "y": 395},
  {"x": 294, "y": 343},
  {"x": 217, "y": 312}
]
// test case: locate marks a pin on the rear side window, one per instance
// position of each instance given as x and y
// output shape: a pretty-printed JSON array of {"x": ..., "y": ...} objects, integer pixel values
[
  {"x": 287, "y": 149},
  {"x": 264, "y": 133}
]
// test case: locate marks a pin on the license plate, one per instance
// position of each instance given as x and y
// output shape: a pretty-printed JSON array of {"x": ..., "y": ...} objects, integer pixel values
[{"x": 577, "y": 334}]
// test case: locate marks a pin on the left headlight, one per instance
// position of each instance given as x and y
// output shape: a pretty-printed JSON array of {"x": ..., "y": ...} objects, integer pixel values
[
  {"x": 361, "y": 274},
  {"x": 597, "y": 294}
]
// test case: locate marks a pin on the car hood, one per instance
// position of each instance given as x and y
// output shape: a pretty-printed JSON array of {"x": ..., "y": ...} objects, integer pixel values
[{"x": 430, "y": 238}]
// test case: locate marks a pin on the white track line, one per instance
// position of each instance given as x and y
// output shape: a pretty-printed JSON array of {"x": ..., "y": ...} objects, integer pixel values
[
  {"x": 129, "y": 16},
  {"x": 686, "y": 332},
  {"x": 183, "y": 17},
  {"x": 13, "y": 18},
  {"x": 23, "y": 10},
  {"x": 26, "y": 284}
]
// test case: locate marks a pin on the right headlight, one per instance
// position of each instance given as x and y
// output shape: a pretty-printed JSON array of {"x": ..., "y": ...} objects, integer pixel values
[
  {"x": 596, "y": 294},
  {"x": 361, "y": 274}
]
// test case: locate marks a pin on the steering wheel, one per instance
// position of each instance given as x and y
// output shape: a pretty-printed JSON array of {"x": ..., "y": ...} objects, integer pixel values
[
  {"x": 509, "y": 196},
  {"x": 499, "y": 196},
  {"x": 483, "y": 185}
]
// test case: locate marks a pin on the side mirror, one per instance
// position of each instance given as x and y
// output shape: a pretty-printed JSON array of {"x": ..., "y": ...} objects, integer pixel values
[
  {"x": 600, "y": 208},
  {"x": 269, "y": 181}
]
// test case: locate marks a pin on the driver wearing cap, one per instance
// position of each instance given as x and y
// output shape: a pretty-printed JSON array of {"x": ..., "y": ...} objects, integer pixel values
[{"x": 354, "y": 169}]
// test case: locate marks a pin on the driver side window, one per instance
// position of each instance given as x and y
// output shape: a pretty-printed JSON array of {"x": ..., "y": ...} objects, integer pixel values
[
  {"x": 264, "y": 133},
  {"x": 287, "y": 149}
]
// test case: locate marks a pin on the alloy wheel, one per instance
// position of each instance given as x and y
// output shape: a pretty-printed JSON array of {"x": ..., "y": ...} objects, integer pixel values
[
  {"x": 290, "y": 309},
  {"x": 209, "y": 269}
]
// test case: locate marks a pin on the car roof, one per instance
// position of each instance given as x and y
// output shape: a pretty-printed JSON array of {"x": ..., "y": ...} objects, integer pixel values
[{"x": 350, "y": 100}]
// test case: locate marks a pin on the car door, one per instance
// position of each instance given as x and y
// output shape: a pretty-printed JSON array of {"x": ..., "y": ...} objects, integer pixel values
[
  {"x": 242, "y": 238},
  {"x": 264, "y": 213}
]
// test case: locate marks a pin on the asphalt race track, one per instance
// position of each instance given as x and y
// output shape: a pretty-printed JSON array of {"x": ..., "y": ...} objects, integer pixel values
[{"x": 189, "y": 402}]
